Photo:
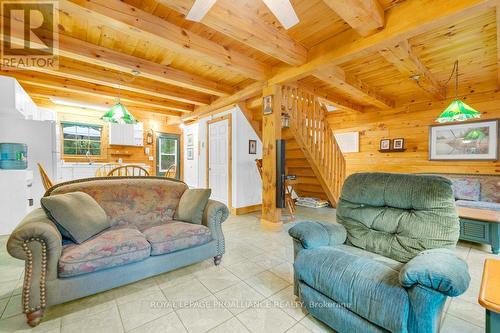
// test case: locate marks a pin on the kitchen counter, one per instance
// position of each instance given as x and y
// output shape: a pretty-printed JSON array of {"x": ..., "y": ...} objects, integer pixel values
[{"x": 78, "y": 170}]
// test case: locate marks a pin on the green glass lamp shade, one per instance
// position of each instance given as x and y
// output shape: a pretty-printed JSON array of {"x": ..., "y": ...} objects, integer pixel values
[
  {"x": 119, "y": 114},
  {"x": 458, "y": 111}
]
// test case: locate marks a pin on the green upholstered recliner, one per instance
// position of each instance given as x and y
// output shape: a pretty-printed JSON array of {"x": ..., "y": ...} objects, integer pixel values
[{"x": 388, "y": 266}]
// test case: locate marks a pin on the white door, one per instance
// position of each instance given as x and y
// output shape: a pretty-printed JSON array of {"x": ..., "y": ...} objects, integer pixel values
[{"x": 218, "y": 160}]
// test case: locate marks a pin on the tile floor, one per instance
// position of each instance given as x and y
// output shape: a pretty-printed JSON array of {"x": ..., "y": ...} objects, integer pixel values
[{"x": 251, "y": 291}]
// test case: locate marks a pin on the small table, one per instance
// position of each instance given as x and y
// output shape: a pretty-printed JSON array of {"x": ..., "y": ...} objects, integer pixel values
[
  {"x": 480, "y": 226},
  {"x": 489, "y": 296}
]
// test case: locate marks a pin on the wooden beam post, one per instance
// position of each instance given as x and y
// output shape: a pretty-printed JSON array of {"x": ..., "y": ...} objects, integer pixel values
[
  {"x": 271, "y": 131},
  {"x": 497, "y": 11}
]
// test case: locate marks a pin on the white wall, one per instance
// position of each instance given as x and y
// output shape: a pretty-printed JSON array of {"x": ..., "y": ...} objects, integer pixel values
[
  {"x": 191, "y": 166},
  {"x": 246, "y": 181}
]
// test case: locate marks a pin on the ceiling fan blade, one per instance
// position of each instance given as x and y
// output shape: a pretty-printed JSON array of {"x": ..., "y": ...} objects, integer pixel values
[
  {"x": 199, "y": 10},
  {"x": 284, "y": 12}
]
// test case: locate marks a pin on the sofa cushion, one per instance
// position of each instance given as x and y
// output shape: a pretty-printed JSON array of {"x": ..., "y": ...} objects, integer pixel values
[
  {"x": 113, "y": 247},
  {"x": 137, "y": 202},
  {"x": 365, "y": 286},
  {"x": 479, "y": 204},
  {"x": 174, "y": 236},
  {"x": 192, "y": 205},
  {"x": 398, "y": 215},
  {"x": 466, "y": 189},
  {"x": 77, "y": 215}
]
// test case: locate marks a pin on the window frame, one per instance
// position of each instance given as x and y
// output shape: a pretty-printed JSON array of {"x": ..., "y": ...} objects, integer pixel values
[{"x": 83, "y": 124}]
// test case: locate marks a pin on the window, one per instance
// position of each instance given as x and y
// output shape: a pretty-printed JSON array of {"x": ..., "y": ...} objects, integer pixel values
[
  {"x": 78, "y": 139},
  {"x": 168, "y": 155}
]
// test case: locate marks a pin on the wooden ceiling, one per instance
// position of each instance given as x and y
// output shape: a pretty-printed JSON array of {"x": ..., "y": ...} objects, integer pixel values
[{"x": 357, "y": 54}]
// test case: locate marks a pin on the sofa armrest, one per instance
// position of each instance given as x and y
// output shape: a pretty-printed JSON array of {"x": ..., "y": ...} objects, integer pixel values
[
  {"x": 37, "y": 241},
  {"x": 438, "y": 269},
  {"x": 315, "y": 234},
  {"x": 214, "y": 215}
]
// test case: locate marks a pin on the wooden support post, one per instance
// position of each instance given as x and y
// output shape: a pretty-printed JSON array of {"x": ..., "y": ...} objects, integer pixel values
[{"x": 271, "y": 131}]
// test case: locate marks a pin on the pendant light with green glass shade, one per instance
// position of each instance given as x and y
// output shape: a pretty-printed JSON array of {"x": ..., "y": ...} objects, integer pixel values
[
  {"x": 457, "y": 110},
  {"x": 119, "y": 114}
]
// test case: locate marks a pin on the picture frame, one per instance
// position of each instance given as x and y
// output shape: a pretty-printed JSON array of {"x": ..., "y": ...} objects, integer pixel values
[
  {"x": 267, "y": 104},
  {"x": 385, "y": 144},
  {"x": 190, "y": 153},
  {"x": 252, "y": 147},
  {"x": 398, "y": 144},
  {"x": 189, "y": 140},
  {"x": 470, "y": 141}
]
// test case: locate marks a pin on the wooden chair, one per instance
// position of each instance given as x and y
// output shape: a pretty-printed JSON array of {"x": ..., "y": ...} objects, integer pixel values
[
  {"x": 171, "y": 171},
  {"x": 290, "y": 203},
  {"x": 46, "y": 181},
  {"x": 104, "y": 170},
  {"x": 128, "y": 170}
]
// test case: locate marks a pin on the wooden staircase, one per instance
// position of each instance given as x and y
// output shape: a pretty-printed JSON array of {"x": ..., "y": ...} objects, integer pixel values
[{"x": 315, "y": 138}]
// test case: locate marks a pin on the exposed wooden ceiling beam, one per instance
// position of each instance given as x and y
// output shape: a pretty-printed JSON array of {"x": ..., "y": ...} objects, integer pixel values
[
  {"x": 254, "y": 102},
  {"x": 333, "y": 99},
  {"x": 244, "y": 94},
  {"x": 403, "y": 21},
  {"x": 74, "y": 70},
  {"x": 241, "y": 21},
  {"x": 94, "y": 54},
  {"x": 409, "y": 64},
  {"x": 341, "y": 80},
  {"x": 91, "y": 53},
  {"x": 90, "y": 89},
  {"x": 136, "y": 22},
  {"x": 46, "y": 102},
  {"x": 364, "y": 16}
]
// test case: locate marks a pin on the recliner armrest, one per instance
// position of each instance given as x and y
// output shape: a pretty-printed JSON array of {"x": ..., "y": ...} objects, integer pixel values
[
  {"x": 316, "y": 234},
  {"x": 438, "y": 269}
]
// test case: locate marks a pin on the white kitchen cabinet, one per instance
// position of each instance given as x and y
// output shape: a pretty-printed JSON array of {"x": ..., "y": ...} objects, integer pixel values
[
  {"x": 16, "y": 103},
  {"x": 126, "y": 134}
]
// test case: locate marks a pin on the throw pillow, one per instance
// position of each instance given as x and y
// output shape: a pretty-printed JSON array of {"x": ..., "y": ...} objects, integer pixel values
[
  {"x": 77, "y": 215},
  {"x": 466, "y": 189},
  {"x": 192, "y": 205}
]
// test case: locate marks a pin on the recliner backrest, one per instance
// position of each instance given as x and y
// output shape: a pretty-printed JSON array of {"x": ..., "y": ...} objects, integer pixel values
[{"x": 398, "y": 215}]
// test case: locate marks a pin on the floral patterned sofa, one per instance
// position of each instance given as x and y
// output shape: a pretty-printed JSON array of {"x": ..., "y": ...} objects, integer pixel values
[
  {"x": 479, "y": 192},
  {"x": 143, "y": 241}
]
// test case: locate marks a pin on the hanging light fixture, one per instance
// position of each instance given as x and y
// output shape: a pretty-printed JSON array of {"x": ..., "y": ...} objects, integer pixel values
[
  {"x": 119, "y": 114},
  {"x": 457, "y": 110}
]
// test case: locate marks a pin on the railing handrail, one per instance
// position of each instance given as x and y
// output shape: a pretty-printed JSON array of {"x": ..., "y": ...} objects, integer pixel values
[{"x": 312, "y": 131}]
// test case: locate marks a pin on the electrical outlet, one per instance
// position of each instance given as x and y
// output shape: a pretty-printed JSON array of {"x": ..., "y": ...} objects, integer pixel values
[{"x": 151, "y": 158}]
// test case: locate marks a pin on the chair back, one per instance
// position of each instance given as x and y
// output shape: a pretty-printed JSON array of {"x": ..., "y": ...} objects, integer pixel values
[
  {"x": 46, "y": 181},
  {"x": 398, "y": 215},
  {"x": 171, "y": 171},
  {"x": 104, "y": 170},
  {"x": 128, "y": 170}
]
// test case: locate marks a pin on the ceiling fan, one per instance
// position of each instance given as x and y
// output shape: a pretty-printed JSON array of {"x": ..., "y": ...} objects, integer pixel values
[{"x": 282, "y": 9}]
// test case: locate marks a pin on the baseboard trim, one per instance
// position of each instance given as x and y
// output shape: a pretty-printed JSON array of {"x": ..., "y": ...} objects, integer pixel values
[{"x": 246, "y": 210}]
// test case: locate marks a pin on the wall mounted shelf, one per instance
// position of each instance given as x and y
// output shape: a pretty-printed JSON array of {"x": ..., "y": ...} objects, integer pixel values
[{"x": 392, "y": 150}]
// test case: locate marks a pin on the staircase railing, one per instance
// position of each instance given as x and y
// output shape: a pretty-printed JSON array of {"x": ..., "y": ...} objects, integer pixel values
[{"x": 315, "y": 137}]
